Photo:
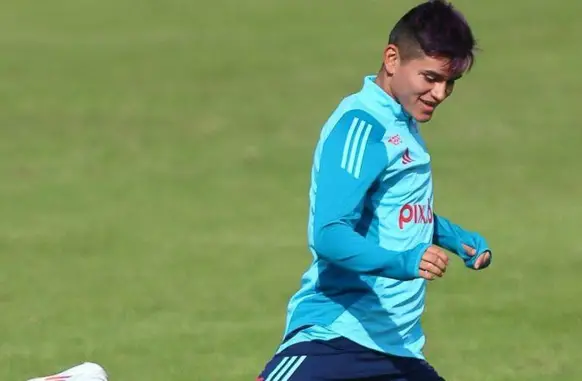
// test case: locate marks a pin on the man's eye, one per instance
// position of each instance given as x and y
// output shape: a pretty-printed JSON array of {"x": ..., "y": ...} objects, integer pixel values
[{"x": 430, "y": 78}]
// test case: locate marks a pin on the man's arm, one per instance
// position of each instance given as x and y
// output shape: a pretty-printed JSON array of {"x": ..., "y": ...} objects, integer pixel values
[
  {"x": 468, "y": 245},
  {"x": 351, "y": 160}
]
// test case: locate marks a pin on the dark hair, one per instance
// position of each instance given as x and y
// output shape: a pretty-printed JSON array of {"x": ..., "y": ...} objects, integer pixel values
[{"x": 436, "y": 29}]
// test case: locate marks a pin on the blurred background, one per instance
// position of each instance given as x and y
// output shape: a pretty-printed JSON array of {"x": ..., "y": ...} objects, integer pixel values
[{"x": 155, "y": 162}]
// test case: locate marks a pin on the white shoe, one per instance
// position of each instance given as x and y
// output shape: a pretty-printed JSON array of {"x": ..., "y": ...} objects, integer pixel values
[{"x": 86, "y": 371}]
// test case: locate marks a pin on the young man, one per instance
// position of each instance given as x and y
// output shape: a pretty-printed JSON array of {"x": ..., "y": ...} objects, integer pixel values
[{"x": 374, "y": 236}]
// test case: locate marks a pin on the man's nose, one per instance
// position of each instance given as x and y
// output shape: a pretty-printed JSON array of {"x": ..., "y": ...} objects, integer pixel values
[{"x": 439, "y": 91}]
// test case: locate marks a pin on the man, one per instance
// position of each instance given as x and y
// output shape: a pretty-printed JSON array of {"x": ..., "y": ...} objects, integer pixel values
[{"x": 374, "y": 236}]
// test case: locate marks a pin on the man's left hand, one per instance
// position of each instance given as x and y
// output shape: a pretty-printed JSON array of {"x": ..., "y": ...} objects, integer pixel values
[{"x": 482, "y": 261}]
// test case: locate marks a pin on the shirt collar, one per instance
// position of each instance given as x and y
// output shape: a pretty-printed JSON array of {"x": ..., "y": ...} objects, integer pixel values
[{"x": 376, "y": 94}]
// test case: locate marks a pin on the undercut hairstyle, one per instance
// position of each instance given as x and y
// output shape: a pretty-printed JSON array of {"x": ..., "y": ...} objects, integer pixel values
[{"x": 438, "y": 30}]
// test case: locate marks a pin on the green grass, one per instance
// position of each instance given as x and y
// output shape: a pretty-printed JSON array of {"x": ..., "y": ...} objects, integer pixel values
[{"x": 146, "y": 145}]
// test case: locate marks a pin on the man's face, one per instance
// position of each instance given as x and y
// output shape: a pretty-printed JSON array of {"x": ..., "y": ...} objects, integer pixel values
[{"x": 421, "y": 84}]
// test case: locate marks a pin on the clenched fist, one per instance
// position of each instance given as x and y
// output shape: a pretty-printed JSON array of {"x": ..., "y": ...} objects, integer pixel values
[{"x": 433, "y": 263}]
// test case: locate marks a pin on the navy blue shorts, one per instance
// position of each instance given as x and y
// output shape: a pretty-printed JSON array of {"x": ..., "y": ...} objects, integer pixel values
[{"x": 342, "y": 359}]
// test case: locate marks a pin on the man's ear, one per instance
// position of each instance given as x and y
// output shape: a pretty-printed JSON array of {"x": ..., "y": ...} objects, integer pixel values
[{"x": 391, "y": 59}]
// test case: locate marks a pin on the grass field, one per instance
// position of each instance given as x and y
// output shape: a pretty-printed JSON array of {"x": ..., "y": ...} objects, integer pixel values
[{"x": 146, "y": 145}]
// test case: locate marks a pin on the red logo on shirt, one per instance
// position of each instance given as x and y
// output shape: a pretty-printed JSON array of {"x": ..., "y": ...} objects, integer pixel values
[
  {"x": 416, "y": 214},
  {"x": 395, "y": 140}
]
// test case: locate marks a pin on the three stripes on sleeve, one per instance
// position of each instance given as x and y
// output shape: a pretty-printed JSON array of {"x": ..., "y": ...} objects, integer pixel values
[{"x": 355, "y": 147}]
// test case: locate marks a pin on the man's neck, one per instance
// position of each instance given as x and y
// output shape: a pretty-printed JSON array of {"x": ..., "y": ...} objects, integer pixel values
[{"x": 383, "y": 81}]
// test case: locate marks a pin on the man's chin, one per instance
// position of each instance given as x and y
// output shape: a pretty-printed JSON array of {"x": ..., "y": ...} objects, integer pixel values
[{"x": 423, "y": 117}]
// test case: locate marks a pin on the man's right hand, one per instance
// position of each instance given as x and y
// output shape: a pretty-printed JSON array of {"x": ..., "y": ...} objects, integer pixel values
[{"x": 433, "y": 263}]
